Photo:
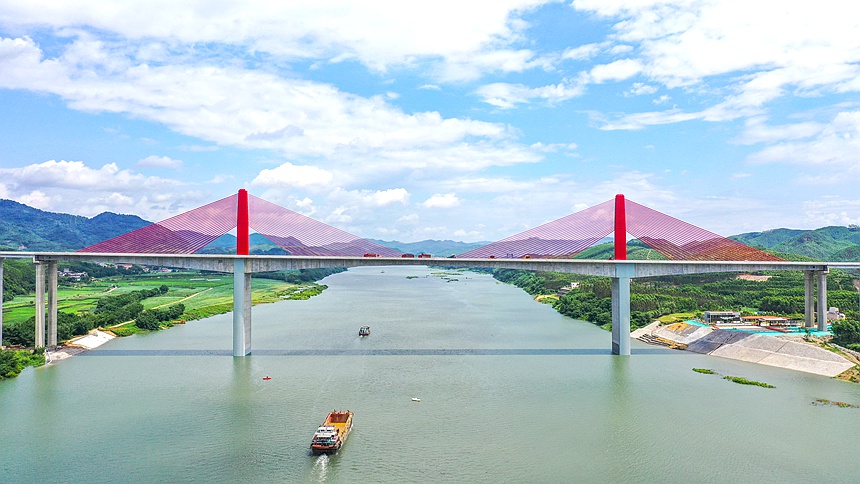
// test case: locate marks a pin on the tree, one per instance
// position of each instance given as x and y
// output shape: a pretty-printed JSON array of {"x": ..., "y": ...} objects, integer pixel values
[
  {"x": 846, "y": 332},
  {"x": 147, "y": 320}
]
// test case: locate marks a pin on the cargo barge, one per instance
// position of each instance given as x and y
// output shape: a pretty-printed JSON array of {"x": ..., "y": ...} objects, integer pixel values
[{"x": 331, "y": 435}]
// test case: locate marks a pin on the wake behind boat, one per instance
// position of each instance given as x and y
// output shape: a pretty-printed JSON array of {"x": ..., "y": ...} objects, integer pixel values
[{"x": 331, "y": 435}]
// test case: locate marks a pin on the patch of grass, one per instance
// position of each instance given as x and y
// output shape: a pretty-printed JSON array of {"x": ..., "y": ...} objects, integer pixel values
[
  {"x": 705, "y": 371},
  {"x": 824, "y": 401},
  {"x": 676, "y": 318},
  {"x": 127, "y": 330},
  {"x": 744, "y": 381}
]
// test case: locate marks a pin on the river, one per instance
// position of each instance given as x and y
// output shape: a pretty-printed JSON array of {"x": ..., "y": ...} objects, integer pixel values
[{"x": 510, "y": 391}]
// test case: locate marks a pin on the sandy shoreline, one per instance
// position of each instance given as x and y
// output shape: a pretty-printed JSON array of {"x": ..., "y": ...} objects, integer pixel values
[{"x": 79, "y": 344}]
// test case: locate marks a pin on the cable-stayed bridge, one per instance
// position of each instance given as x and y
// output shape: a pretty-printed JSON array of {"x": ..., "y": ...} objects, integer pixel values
[{"x": 308, "y": 243}]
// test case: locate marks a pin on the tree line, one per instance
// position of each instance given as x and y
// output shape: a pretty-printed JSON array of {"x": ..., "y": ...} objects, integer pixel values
[
  {"x": 651, "y": 298},
  {"x": 109, "y": 311}
]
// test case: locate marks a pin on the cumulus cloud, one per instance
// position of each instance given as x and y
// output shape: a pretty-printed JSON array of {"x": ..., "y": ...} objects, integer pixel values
[
  {"x": 380, "y": 34},
  {"x": 74, "y": 187},
  {"x": 767, "y": 50},
  {"x": 387, "y": 197},
  {"x": 232, "y": 106},
  {"x": 834, "y": 145},
  {"x": 439, "y": 200},
  {"x": 160, "y": 162},
  {"x": 298, "y": 176},
  {"x": 504, "y": 95}
]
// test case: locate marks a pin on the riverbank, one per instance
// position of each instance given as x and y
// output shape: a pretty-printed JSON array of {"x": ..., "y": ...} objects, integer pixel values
[
  {"x": 790, "y": 352},
  {"x": 78, "y": 345}
]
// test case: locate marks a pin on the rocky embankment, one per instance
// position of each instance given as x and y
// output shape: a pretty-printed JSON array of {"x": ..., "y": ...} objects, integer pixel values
[{"x": 782, "y": 351}]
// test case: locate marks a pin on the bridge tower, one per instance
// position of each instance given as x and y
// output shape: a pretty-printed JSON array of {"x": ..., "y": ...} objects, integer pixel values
[
  {"x": 621, "y": 283},
  {"x": 242, "y": 280}
]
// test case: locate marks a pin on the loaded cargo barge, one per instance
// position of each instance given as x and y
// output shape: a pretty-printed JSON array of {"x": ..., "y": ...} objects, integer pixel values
[{"x": 331, "y": 435}]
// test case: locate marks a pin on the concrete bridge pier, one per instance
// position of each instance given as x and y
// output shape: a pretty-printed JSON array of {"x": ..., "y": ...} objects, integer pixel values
[
  {"x": 809, "y": 299},
  {"x": 241, "y": 308},
  {"x": 41, "y": 297},
  {"x": 621, "y": 309},
  {"x": 39, "y": 341},
  {"x": 1, "y": 301},
  {"x": 52, "y": 304},
  {"x": 822, "y": 300}
]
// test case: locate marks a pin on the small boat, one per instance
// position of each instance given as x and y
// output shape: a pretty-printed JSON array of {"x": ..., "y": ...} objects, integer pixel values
[
  {"x": 364, "y": 331},
  {"x": 267, "y": 377},
  {"x": 331, "y": 435},
  {"x": 416, "y": 399}
]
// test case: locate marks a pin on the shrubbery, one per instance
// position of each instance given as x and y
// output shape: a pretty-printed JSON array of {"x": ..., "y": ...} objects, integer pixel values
[{"x": 847, "y": 333}]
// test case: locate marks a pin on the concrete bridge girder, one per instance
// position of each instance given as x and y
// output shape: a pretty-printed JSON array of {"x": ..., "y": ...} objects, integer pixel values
[{"x": 242, "y": 266}]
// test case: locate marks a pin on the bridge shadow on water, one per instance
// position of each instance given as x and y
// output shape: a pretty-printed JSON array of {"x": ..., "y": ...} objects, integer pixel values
[{"x": 387, "y": 352}]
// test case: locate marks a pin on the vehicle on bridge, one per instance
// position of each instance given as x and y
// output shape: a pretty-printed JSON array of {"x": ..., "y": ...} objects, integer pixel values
[
  {"x": 408, "y": 256},
  {"x": 424, "y": 256},
  {"x": 331, "y": 435},
  {"x": 364, "y": 331}
]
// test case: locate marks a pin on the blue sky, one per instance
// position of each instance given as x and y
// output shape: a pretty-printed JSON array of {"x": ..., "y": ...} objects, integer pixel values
[{"x": 447, "y": 120}]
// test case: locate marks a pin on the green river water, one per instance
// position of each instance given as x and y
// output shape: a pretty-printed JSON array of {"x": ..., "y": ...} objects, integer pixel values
[{"x": 510, "y": 391}]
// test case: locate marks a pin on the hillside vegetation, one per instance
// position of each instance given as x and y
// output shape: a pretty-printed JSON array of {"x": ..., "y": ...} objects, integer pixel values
[
  {"x": 651, "y": 298},
  {"x": 833, "y": 243},
  {"x": 28, "y": 228}
]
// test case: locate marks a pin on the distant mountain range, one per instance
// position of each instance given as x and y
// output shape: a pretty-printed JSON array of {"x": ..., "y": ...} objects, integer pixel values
[
  {"x": 833, "y": 243},
  {"x": 27, "y": 228},
  {"x": 30, "y": 229}
]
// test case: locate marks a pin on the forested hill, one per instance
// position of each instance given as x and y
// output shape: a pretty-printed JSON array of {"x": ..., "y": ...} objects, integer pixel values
[
  {"x": 833, "y": 243},
  {"x": 28, "y": 228}
]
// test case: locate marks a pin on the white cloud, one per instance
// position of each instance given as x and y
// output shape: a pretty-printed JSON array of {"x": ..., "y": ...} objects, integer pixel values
[
  {"x": 378, "y": 33},
  {"x": 615, "y": 71},
  {"x": 447, "y": 200},
  {"x": 640, "y": 88},
  {"x": 505, "y": 95},
  {"x": 37, "y": 199},
  {"x": 766, "y": 49},
  {"x": 298, "y": 176},
  {"x": 409, "y": 218},
  {"x": 305, "y": 206},
  {"x": 835, "y": 145},
  {"x": 387, "y": 197},
  {"x": 160, "y": 162},
  {"x": 339, "y": 216},
  {"x": 756, "y": 130},
  {"x": 254, "y": 109},
  {"x": 838, "y": 211},
  {"x": 582, "y": 52},
  {"x": 74, "y": 187}
]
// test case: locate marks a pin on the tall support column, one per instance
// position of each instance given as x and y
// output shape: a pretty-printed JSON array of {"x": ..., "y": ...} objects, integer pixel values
[
  {"x": 52, "y": 304},
  {"x": 39, "y": 341},
  {"x": 620, "y": 228},
  {"x": 241, "y": 309},
  {"x": 822, "y": 300},
  {"x": 243, "y": 242},
  {"x": 809, "y": 299},
  {"x": 621, "y": 309},
  {"x": 1, "y": 301}
]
